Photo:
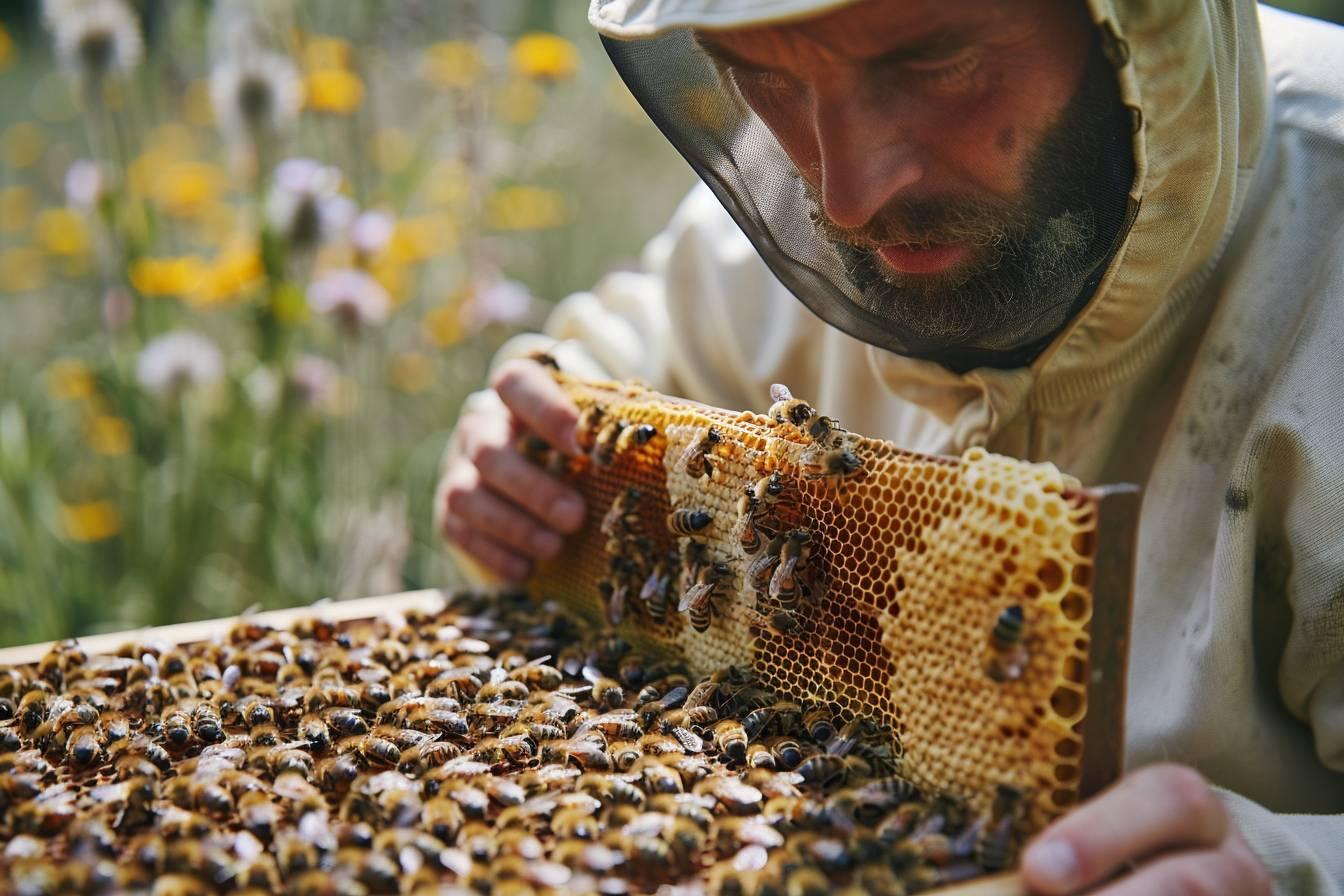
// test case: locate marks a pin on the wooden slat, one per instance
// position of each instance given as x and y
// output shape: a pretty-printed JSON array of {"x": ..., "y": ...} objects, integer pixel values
[
  {"x": 429, "y": 600},
  {"x": 1009, "y": 884}
]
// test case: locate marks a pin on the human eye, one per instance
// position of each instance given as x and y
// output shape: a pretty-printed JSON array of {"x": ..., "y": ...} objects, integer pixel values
[{"x": 944, "y": 69}]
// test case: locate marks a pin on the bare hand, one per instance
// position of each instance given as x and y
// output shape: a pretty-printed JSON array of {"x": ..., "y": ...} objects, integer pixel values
[
  {"x": 1166, "y": 824},
  {"x": 492, "y": 502}
]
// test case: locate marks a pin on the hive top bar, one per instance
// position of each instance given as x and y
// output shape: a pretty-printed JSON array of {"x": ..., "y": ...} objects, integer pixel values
[{"x": 974, "y": 607}]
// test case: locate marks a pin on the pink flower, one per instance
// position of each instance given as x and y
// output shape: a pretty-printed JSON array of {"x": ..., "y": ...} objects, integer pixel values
[
  {"x": 499, "y": 301},
  {"x": 352, "y": 297}
]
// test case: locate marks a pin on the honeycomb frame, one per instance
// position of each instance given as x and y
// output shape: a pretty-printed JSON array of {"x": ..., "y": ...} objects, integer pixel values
[{"x": 898, "y": 633}]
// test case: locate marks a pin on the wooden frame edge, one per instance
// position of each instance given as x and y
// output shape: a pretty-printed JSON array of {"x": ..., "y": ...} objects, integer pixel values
[{"x": 1103, "y": 727}]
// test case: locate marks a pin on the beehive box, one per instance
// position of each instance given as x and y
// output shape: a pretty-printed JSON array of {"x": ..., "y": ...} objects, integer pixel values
[{"x": 889, "y": 622}]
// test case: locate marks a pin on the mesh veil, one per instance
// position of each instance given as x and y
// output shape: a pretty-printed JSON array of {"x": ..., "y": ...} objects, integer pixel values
[{"x": 741, "y": 161}]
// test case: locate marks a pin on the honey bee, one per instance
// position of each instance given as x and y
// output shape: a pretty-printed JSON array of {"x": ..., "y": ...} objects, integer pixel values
[
  {"x": 32, "y": 709},
  {"x": 631, "y": 670},
  {"x": 504, "y": 689},
  {"x": 623, "y": 515},
  {"x": 781, "y": 622},
  {"x": 786, "y": 408},
  {"x": 1007, "y": 654},
  {"x": 623, "y": 724},
  {"x": 688, "y": 520},
  {"x": 259, "y": 815},
  {"x": 793, "y": 556},
  {"x": 177, "y": 728},
  {"x": 604, "y": 445},
  {"x": 604, "y": 691},
  {"x": 315, "y": 731},
  {"x": 590, "y": 420},
  {"x": 849, "y": 734},
  {"x": 420, "y": 758},
  {"x": 819, "y": 724},
  {"x": 443, "y": 817},
  {"x": 738, "y": 797},
  {"x": 787, "y": 751},
  {"x": 624, "y": 754},
  {"x": 730, "y": 739},
  {"x": 84, "y": 745},
  {"x": 658, "y": 778},
  {"x": 575, "y": 823},
  {"x": 759, "y": 756},
  {"x": 636, "y": 435},
  {"x": 835, "y": 465},
  {"x": 698, "y": 600},
  {"x": 996, "y": 845},
  {"x": 656, "y": 588},
  {"x": 695, "y": 459},
  {"x": 829, "y": 770},
  {"x": 537, "y": 674}
]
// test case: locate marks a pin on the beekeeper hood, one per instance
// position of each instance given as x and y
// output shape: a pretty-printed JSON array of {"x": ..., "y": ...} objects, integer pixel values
[{"x": 1173, "y": 57}]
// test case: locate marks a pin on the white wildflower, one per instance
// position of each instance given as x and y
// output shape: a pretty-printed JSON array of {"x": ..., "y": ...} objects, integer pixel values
[
  {"x": 352, "y": 297},
  {"x": 315, "y": 379},
  {"x": 95, "y": 38},
  {"x": 371, "y": 232},
  {"x": 498, "y": 301},
  {"x": 256, "y": 94},
  {"x": 177, "y": 361},
  {"x": 85, "y": 185},
  {"x": 304, "y": 206}
]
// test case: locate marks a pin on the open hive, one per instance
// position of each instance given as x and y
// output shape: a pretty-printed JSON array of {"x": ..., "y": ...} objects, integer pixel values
[{"x": 499, "y": 745}]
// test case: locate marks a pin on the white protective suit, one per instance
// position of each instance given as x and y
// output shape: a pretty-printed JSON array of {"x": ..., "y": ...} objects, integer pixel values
[{"x": 1208, "y": 368}]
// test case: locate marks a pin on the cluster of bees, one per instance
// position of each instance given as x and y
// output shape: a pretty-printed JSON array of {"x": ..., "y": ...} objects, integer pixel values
[
  {"x": 489, "y": 748},
  {"x": 777, "y": 556}
]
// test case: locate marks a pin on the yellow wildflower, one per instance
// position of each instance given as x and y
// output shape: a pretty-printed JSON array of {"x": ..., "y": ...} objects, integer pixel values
[
  {"x": 16, "y": 208},
  {"x": 525, "y": 208},
  {"x": 108, "y": 435},
  {"x": 21, "y": 270},
  {"x": 6, "y": 49},
  {"x": 394, "y": 277},
  {"x": 70, "y": 380},
  {"x": 62, "y": 232},
  {"x": 411, "y": 372},
  {"x": 547, "y": 57},
  {"x": 23, "y": 144},
  {"x": 334, "y": 90},
  {"x": 326, "y": 51},
  {"x": 453, "y": 64},
  {"x": 233, "y": 272},
  {"x": 197, "y": 107},
  {"x": 90, "y": 520},
  {"x": 422, "y": 237},
  {"x": 172, "y": 276},
  {"x": 393, "y": 150},
  {"x": 289, "y": 304},
  {"x": 443, "y": 326},
  {"x": 183, "y": 189},
  {"x": 519, "y": 101},
  {"x": 448, "y": 182}
]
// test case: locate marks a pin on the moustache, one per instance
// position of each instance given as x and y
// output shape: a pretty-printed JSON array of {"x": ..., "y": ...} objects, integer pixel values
[{"x": 925, "y": 223}]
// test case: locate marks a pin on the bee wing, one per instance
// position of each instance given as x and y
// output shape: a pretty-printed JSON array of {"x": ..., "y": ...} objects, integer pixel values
[
  {"x": 695, "y": 596},
  {"x": 656, "y": 582},
  {"x": 689, "y": 739},
  {"x": 591, "y": 674},
  {"x": 613, "y": 516},
  {"x": 783, "y": 575},
  {"x": 780, "y": 392},
  {"x": 616, "y": 606}
]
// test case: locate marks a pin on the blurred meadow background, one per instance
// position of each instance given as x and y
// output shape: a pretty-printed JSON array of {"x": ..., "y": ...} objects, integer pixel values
[{"x": 253, "y": 256}]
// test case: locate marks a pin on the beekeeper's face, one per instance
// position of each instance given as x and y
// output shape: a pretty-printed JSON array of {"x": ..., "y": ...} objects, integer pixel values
[{"x": 942, "y": 142}]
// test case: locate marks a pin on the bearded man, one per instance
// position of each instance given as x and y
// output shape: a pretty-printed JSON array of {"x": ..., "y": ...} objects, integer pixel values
[{"x": 1109, "y": 235}]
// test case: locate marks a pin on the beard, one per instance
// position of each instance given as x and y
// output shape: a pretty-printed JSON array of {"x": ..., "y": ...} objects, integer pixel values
[{"x": 1032, "y": 254}]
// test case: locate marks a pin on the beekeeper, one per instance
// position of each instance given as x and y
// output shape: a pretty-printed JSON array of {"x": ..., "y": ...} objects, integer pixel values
[{"x": 1107, "y": 235}]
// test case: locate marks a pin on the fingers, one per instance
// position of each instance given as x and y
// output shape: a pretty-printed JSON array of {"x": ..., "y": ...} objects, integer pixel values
[
  {"x": 480, "y": 509},
  {"x": 539, "y": 403},
  {"x": 1159, "y": 808},
  {"x": 545, "y": 497},
  {"x": 1231, "y": 871}
]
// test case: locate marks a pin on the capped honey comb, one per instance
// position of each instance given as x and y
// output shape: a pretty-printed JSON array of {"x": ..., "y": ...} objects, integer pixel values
[{"x": 914, "y": 560}]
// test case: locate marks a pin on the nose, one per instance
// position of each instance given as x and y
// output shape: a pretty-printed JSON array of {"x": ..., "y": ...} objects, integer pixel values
[{"x": 866, "y": 159}]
